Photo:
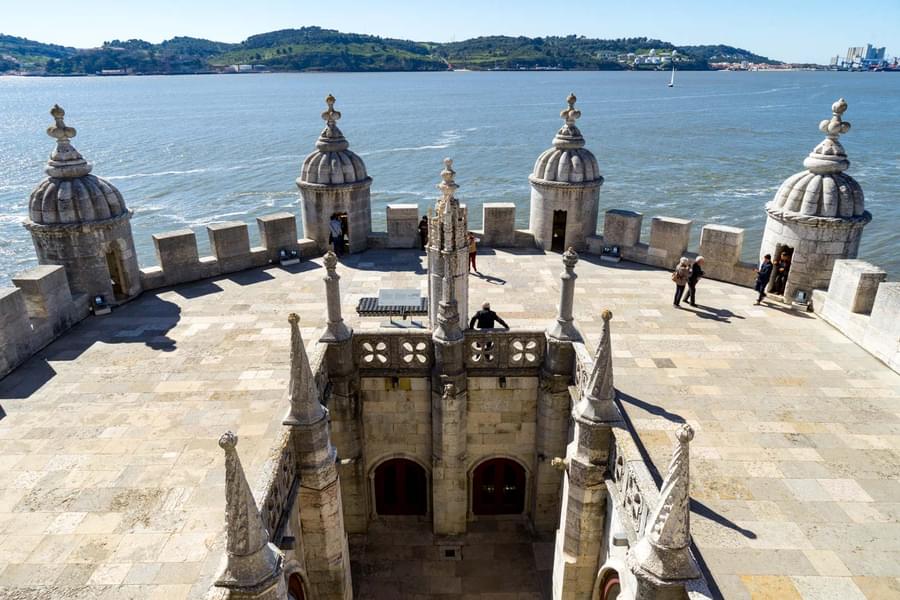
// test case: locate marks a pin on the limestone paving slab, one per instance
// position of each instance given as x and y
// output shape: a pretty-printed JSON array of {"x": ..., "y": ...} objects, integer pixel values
[{"x": 112, "y": 484}]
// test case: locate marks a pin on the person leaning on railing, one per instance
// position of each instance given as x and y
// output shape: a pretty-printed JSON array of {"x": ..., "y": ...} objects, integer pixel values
[{"x": 485, "y": 318}]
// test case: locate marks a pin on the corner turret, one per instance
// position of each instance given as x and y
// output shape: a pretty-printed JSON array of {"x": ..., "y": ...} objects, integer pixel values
[{"x": 79, "y": 221}]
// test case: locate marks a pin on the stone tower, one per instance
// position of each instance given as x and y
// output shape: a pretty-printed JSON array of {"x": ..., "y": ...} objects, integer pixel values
[
  {"x": 80, "y": 221},
  {"x": 333, "y": 180},
  {"x": 818, "y": 214},
  {"x": 447, "y": 229},
  {"x": 565, "y": 189}
]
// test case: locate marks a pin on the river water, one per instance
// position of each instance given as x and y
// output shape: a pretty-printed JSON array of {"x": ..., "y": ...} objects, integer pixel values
[{"x": 189, "y": 150}]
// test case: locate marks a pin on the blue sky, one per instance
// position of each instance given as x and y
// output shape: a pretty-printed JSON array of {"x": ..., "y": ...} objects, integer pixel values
[{"x": 791, "y": 30}]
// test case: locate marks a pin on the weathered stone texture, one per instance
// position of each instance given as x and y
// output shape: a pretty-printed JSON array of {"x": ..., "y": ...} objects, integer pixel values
[
  {"x": 403, "y": 226},
  {"x": 499, "y": 223},
  {"x": 622, "y": 228},
  {"x": 278, "y": 232},
  {"x": 230, "y": 243},
  {"x": 49, "y": 302},
  {"x": 669, "y": 239},
  {"x": 16, "y": 337}
]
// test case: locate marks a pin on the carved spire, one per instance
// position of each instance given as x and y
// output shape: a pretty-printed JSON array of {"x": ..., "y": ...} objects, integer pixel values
[
  {"x": 448, "y": 187},
  {"x": 597, "y": 400},
  {"x": 336, "y": 330},
  {"x": 250, "y": 560},
  {"x": 829, "y": 156},
  {"x": 331, "y": 139},
  {"x": 663, "y": 550},
  {"x": 65, "y": 161},
  {"x": 448, "y": 328},
  {"x": 569, "y": 136},
  {"x": 304, "y": 396}
]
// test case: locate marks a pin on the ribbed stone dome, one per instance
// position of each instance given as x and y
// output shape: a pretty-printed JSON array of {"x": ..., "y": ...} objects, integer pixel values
[
  {"x": 332, "y": 163},
  {"x": 823, "y": 189},
  {"x": 568, "y": 161},
  {"x": 70, "y": 194}
]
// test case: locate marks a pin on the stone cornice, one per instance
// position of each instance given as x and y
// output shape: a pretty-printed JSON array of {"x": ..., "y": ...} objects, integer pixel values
[
  {"x": 70, "y": 227},
  {"x": 816, "y": 221},
  {"x": 317, "y": 187},
  {"x": 595, "y": 183}
]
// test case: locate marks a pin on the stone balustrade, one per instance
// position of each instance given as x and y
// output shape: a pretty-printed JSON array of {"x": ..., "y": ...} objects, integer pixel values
[
  {"x": 392, "y": 351},
  {"x": 504, "y": 350},
  {"x": 35, "y": 312},
  {"x": 864, "y": 307}
]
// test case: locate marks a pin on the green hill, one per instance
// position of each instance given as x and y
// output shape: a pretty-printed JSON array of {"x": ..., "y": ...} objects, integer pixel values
[{"x": 317, "y": 49}]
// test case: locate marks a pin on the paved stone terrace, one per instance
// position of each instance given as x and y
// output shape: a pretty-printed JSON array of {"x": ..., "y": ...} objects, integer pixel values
[{"x": 111, "y": 482}]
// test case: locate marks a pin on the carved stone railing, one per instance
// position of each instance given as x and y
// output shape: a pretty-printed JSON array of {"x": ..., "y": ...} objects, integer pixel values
[
  {"x": 631, "y": 485},
  {"x": 278, "y": 482},
  {"x": 505, "y": 350},
  {"x": 393, "y": 352}
]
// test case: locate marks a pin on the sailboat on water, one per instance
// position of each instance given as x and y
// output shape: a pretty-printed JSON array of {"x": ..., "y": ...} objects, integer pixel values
[{"x": 672, "y": 81}]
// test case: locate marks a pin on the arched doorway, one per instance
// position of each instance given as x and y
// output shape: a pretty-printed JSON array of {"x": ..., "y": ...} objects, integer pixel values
[
  {"x": 610, "y": 588},
  {"x": 498, "y": 487},
  {"x": 295, "y": 587},
  {"x": 116, "y": 274},
  {"x": 401, "y": 488},
  {"x": 558, "y": 234}
]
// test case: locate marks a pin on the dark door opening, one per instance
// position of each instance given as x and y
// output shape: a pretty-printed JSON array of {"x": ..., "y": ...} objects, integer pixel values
[
  {"x": 339, "y": 232},
  {"x": 558, "y": 240},
  {"x": 295, "y": 588},
  {"x": 610, "y": 587},
  {"x": 498, "y": 488},
  {"x": 781, "y": 269},
  {"x": 401, "y": 488},
  {"x": 116, "y": 274}
]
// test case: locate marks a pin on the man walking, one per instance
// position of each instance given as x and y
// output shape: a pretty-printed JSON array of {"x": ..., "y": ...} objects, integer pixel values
[
  {"x": 473, "y": 251},
  {"x": 485, "y": 318},
  {"x": 763, "y": 273},
  {"x": 696, "y": 274}
]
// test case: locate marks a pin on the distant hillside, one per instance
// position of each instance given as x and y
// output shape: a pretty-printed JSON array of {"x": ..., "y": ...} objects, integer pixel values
[{"x": 317, "y": 49}]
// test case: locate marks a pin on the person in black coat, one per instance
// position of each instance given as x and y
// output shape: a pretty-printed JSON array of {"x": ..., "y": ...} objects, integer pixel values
[
  {"x": 763, "y": 273},
  {"x": 485, "y": 318},
  {"x": 696, "y": 274}
]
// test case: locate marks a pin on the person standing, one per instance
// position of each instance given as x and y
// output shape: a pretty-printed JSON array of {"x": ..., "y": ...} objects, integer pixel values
[
  {"x": 763, "y": 273},
  {"x": 473, "y": 250},
  {"x": 782, "y": 268},
  {"x": 680, "y": 277},
  {"x": 696, "y": 274},
  {"x": 485, "y": 318},
  {"x": 337, "y": 234},
  {"x": 423, "y": 231}
]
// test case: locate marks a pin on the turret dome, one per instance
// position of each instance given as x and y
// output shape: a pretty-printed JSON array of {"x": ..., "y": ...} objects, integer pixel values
[
  {"x": 823, "y": 189},
  {"x": 568, "y": 161},
  {"x": 332, "y": 163},
  {"x": 70, "y": 194}
]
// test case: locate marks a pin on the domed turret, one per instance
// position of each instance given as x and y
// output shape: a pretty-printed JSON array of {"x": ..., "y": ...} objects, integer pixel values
[
  {"x": 565, "y": 188},
  {"x": 80, "y": 221},
  {"x": 333, "y": 181},
  {"x": 817, "y": 215}
]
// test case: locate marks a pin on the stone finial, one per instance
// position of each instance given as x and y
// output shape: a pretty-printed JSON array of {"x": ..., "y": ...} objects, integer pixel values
[
  {"x": 251, "y": 562},
  {"x": 331, "y": 139},
  {"x": 570, "y": 114},
  {"x": 570, "y": 258},
  {"x": 569, "y": 136},
  {"x": 663, "y": 550},
  {"x": 449, "y": 391},
  {"x": 829, "y": 156},
  {"x": 597, "y": 400},
  {"x": 65, "y": 161},
  {"x": 330, "y": 260},
  {"x": 448, "y": 186},
  {"x": 304, "y": 396},
  {"x": 331, "y": 116}
]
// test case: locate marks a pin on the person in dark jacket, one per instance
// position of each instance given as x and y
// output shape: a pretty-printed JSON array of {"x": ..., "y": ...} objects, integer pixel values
[
  {"x": 763, "y": 273},
  {"x": 485, "y": 318},
  {"x": 782, "y": 269},
  {"x": 696, "y": 274},
  {"x": 423, "y": 231}
]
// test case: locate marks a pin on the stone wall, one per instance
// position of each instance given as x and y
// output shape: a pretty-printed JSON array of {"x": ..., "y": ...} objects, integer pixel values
[
  {"x": 864, "y": 307},
  {"x": 180, "y": 262},
  {"x": 35, "y": 312}
]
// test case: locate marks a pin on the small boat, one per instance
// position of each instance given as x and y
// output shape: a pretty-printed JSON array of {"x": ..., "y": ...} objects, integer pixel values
[{"x": 672, "y": 81}]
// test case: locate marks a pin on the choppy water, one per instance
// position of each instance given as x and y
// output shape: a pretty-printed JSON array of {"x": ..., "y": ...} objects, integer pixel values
[{"x": 186, "y": 151}]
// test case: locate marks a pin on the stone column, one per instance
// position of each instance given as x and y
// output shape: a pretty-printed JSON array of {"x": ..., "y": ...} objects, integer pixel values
[
  {"x": 447, "y": 229},
  {"x": 321, "y": 512},
  {"x": 253, "y": 568},
  {"x": 449, "y": 400},
  {"x": 661, "y": 560},
  {"x": 580, "y": 534},
  {"x": 346, "y": 425},
  {"x": 554, "y": 403}
]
